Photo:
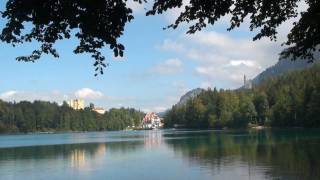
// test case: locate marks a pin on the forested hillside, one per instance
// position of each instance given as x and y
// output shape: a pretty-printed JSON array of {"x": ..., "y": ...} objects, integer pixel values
[
  {"x": 45, "y": 116},
  {"x": 290, "y": 100}
]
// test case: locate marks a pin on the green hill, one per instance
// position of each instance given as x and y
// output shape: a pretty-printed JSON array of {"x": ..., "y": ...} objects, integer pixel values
[{"x": 288, "y": 100}]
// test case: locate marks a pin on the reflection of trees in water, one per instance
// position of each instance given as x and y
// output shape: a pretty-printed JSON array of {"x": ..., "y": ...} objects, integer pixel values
[
  {"x": 285, "y": 154},
  {"x": 75, "y": 152},
  {"x": 45, "y": 152},
  {"x": 124, "y": 147}
]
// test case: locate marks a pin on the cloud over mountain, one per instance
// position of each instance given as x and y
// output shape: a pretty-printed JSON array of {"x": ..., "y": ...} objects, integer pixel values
[
  {"x": 221, "y": 59},
  {"x": 87, "y": 93}
]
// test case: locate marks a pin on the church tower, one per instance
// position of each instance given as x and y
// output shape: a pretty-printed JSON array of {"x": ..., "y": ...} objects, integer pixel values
[{"x": 247, "y": 84}]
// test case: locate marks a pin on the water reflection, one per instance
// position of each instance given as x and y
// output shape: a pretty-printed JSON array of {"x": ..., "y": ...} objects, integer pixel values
[
  {"x": 47, "y": 152},
  {"x": 153, "y": 139},
  {"x": 276, "y": 154},
  {"x": 101, "y": 151},
  {"x": 78, "y": 158}
]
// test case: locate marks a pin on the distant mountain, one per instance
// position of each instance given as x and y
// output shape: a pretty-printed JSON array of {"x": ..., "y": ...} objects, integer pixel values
[
  {"x": 162, "y": 114},
  {"x": 184, "y": 99},
  {"x": 189, "y": 95},
  {"x": 284, "y": 66}
]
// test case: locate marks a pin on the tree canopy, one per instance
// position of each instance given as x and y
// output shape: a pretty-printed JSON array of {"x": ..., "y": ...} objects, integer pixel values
[
  {"x": 45, "y": 116},
  {"x": 99, "y": 24}
]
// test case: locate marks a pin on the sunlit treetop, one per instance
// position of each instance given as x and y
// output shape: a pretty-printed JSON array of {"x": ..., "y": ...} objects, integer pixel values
[{"x": 99, "y": 23}]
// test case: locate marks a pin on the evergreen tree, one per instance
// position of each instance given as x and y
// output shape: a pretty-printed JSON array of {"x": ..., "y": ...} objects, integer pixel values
[{"x": 262, "y": 107}]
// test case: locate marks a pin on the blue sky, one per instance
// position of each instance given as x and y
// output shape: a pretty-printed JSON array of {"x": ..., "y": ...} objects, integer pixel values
[{"x": 157, "y": 68}]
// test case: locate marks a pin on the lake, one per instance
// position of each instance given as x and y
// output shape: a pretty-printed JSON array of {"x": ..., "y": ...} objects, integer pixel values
[{"x": 163, "y": 154}]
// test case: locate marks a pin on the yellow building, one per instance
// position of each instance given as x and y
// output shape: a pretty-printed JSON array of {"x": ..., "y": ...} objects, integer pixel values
[{"x": 76, "y": 104}]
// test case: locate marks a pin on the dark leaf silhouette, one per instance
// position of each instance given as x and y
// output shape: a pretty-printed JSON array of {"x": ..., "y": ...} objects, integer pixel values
[
  {"x": 264, "y": 15},
  {"x": 99, "y": 24}
]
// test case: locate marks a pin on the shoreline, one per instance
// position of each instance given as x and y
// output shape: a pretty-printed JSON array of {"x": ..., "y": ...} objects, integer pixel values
[{"x": 258, "y": 128}]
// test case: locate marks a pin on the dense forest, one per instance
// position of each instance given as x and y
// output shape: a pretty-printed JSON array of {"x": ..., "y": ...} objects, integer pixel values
[
  {"x": 290, "y": 100},
  {"x": 45, "y": 116}
]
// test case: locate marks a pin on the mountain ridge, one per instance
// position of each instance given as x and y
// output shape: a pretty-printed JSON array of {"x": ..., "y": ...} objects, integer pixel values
[{"x": 284, "y": 66}]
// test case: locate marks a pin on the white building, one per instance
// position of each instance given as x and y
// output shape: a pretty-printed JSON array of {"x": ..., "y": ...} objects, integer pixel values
[
  {"x": 247, "y": 84},
  {"x": 99, "y": 110},
  {"x": 151, "y": 121}
]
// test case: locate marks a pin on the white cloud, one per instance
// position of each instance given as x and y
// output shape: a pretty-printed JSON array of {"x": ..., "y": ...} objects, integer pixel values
[
  {"x": 224, "y": 47},
  {"x": 172, "y": 14},
  {"x": 173, "y": 62},
  {"x": 211, "y": 38},
  {"x": 170, "y": 66},
  {"x": 154, "y": 109},
  {"x": 8, "y": 94},
  {"x": 180, "y": 88},
  {"x": 135, "y": 6},
  {"x": 52, "y": 96},
  {"x": 205, "y": 85},
  {"x": 87, "y": 93},
  {"x": 221, "y": 59},
  {"x": 169, "y": 45},
  {"x": 227, "y": 76},
  {"x": 248, "y": 63},
  {"x": 171, "y": 97}
]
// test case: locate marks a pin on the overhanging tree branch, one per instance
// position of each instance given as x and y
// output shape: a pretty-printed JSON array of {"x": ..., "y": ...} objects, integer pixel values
[{"x": 100, "y": 23}]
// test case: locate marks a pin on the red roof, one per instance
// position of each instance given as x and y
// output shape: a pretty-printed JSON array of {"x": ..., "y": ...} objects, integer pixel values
[{"x": 150, "y": 116}]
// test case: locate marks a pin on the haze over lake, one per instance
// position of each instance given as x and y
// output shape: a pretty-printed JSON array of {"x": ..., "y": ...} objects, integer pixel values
[{"x": 162, "y": 154}]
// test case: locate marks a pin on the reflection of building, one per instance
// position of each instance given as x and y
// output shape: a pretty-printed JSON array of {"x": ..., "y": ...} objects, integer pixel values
[
  {"x": 78, "y": 158},
  {"x": 83, "y": 157},
  {"x": 101, "y": 150},
  {"x": 247, "y": 84},
  {"x": 151, "y": 121},
  {"x": 152, "y": 139},
  {"x": 76, "y": 104}
]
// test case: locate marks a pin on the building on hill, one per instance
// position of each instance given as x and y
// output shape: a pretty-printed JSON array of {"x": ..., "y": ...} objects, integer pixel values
[
  {"x": 76, "y": 104},
  {"x": 151, "y": 121},
  {"x": 247, "y": 84},
  {"x": 99, "y": 110}
]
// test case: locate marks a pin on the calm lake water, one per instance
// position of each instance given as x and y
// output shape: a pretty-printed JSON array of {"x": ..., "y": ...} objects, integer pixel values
[{"x": 165, "y": 154}]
